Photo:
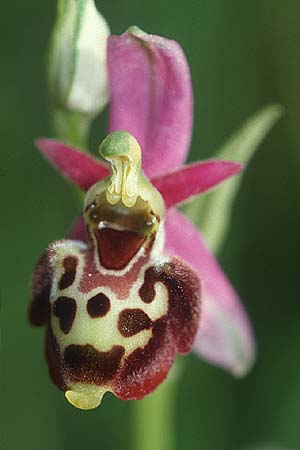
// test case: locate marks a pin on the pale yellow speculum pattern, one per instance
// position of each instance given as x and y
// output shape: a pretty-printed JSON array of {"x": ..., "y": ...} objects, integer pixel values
[{"x": 102, "y": 332}]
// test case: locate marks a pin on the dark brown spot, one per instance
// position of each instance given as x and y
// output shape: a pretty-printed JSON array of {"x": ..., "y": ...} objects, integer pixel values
[
  {"x": 183, "y": 297},
  {"x": 117, "y": 248},
  {"x": 132, "y": 321},
  {"x": 68, "y": 277},
  {"x": 83, "y": 363},
  {"x": 65, "y": 309},
  {"x": 147, "y": 367},
  {"x": 98, "y": 306},
  {"x": 147, "y": 291}
]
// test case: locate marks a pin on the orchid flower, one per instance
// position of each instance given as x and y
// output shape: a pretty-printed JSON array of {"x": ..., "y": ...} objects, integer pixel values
[{"x": 121, "y": 296}]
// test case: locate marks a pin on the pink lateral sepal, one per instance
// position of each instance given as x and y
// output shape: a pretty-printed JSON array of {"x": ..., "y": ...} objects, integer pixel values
[
  {"x": 78, "y": 167},
  {"x": 193, "y": 179}
]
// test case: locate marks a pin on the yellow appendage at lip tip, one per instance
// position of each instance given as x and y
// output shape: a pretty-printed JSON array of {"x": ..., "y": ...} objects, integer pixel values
[{"x": 84, "y": 398}]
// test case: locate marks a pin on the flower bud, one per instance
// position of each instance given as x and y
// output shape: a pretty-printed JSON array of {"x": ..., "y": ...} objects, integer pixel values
[{"x": 77, "y": 62}]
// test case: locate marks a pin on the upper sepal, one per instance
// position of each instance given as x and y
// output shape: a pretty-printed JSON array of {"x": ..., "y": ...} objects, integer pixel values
[{"x": 151, "y": 97}]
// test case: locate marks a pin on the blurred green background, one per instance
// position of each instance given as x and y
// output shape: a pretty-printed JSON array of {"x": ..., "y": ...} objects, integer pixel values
[{"x": 243, "y": 55}]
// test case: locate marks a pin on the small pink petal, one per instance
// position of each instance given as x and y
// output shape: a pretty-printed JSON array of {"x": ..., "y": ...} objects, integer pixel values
[
  {"x": 77, "y": 166},
  {"x": 151, "y": 97},
  {"x": 225, "y": 336},
  {"x": 193, "y": 179}
]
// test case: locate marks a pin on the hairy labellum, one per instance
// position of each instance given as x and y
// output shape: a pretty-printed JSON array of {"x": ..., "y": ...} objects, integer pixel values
[{"x": 117, "y": 310}]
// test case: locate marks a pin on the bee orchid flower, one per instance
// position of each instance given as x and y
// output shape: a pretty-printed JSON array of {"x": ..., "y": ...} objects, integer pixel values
[{"x": 122, "y": 295}]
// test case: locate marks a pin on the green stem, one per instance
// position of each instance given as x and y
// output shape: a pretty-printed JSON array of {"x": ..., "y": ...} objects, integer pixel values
[
  {"x": 154, "y": 417},
  {"x": 71, "y": 127}
]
